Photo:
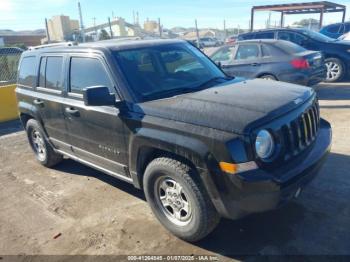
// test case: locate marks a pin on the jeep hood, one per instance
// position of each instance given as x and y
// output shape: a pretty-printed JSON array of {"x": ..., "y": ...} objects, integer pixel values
[{"x": 234, "y": 106}]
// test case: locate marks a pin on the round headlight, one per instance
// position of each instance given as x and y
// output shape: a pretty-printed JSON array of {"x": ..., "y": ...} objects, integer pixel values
[{"x": 264, "y": 145}]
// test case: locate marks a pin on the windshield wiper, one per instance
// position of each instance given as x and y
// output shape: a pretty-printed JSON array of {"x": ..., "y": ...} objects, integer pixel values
[
  {"x": 162, "y": 93},
  {"x": 212, "y": 80}
]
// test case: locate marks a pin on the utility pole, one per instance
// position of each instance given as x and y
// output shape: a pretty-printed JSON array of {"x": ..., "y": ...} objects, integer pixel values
[
  {"x": 269, "y": 21},
  {"x": 47, "y": 32},
  {"x": 82, "y": 32},
  {"x": 160, "y": 28},
  {"x": 133, "y": 15},
  {"x": 96, "y": 37},
  {"x": 197, "y": 33},
  {"x": 110, "y": 27}
]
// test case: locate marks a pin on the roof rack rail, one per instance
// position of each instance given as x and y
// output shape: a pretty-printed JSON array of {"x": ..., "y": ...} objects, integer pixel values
[{"x": 52, "y": 45}]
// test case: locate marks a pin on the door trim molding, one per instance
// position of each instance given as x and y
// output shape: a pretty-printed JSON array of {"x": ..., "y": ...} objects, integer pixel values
[{"x": 88, "y": 163}]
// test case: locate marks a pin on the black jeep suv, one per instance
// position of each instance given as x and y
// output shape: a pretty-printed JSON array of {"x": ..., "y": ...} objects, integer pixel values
[{"x": 160, "y": 115}]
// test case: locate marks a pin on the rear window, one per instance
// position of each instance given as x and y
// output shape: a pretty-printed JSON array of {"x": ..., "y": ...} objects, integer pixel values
[
  {"x": 289, "y": 47},
  {"x": 26, "y": 75}
]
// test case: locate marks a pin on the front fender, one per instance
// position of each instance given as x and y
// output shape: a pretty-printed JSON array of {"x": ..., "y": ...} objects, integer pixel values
[{"x": 186, "y": 147}]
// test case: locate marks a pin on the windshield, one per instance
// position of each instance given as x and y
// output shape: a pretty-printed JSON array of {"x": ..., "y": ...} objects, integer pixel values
[
  {"x": 317, "y": 36},
  {"x": 161, "y": 71}
]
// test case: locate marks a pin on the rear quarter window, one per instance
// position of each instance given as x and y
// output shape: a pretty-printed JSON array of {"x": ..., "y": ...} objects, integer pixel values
[{"x": 27, "y": 71}]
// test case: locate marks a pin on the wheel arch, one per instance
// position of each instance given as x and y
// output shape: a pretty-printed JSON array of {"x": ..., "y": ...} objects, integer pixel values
[
  {"x": 266, "y": 73},
  {"x": 150, "y": 144}
]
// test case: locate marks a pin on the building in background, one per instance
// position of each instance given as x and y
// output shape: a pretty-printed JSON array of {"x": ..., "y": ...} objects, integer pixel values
[
  {"x": 62, "y": 28},
  {"x": 219, "y": 34},
  {"x": 151, "y": 26},
  {"x": 21, "y": 40}
]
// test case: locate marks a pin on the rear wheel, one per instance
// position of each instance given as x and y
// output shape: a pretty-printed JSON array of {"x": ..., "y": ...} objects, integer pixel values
[
  {"x": 335, "y": 69},
  {"x": 268, "y": 77},
  {"x": 178, "y": 200},
  {"x": 43, "y": 151}
]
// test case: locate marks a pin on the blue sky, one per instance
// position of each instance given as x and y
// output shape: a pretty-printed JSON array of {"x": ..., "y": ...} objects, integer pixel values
[{"x": 30, "y": 14}]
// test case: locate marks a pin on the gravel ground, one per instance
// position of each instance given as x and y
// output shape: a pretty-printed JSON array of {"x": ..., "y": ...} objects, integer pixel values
[{"x": 73, "y": 209}]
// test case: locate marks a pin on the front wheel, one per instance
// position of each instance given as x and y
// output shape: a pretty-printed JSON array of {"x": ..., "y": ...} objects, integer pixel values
[
  {"x": 43, "y": 151},
  {"x": 178, "y": 200},
  {"x": 335, "y": 69}
]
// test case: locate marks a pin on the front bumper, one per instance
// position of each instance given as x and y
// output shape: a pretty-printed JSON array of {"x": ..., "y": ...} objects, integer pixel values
[{"x": 259, "y": 190}]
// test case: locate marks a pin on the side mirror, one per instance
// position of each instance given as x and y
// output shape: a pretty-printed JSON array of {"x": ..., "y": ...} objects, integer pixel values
[
  {"x": 98, "y": 96},
  {"x": 219, "y": 64}
]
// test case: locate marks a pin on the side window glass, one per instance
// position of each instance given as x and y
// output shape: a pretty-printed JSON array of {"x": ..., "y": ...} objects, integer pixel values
[
  {"x": 299, "y": 39},
  {"x": 246, "y": 52},
  {"x": 27, "y": 75},
  {"x": 86, "y": 72},
  {"x": 266, "y": 52},
  {"x": 265, "y": 35},
  {"x": 53, "y": 73}
]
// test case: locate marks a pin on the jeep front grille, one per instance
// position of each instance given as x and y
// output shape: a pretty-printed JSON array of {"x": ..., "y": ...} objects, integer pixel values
[{"x": 301, "y": 132}]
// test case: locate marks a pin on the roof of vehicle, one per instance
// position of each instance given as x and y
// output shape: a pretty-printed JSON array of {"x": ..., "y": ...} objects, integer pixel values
[
  {"x": 106, "y": 45},
  {"x": 274, "y": 29},
  {"x": 264, "y": 41}
]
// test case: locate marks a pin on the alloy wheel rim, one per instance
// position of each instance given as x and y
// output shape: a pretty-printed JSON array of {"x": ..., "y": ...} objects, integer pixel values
[
  {"x": 39, "y": 145},
  {"x": 333, "y": 70},
  {"x": 173, "y": 201}
]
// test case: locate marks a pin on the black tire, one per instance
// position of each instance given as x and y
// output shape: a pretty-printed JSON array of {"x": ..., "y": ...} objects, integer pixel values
[
  {"x": 43, "y": 151},
  {"x": 335, "y": 70},
  {"x": 203, "y": 215},
  {"x": 268, "y": 77}
]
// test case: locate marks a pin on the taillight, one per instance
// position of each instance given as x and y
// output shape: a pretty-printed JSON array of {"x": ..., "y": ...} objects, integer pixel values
[{"x": 300, "y": 63}]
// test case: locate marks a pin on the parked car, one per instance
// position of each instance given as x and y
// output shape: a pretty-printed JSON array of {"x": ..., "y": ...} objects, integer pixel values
[
  {"x": 335, "y": 30},
  {"x": 231, "y": 39},
  {"x": 336, "y": 53},
  {"x": 162, "y": 116},
  {"x": 345, "y": 37},
  {"x": 272, "y": 59},
  {"x": 209, "y": 42}
]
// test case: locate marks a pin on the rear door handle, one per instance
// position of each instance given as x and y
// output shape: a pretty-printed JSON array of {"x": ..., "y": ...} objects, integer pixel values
[
  {"x": 38, "y": 102},
  {"x": 255, "y": 64},
  {"x": 72, "y": 111}
]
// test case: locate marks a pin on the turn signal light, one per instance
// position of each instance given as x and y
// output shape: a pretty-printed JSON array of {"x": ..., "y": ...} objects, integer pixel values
[
  {"x": 228, "y": 167},
  {"x": 300, "y": 63}
]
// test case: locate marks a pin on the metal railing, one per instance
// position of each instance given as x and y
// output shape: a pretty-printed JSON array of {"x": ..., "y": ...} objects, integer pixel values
[{"x": 9, "y": 59}]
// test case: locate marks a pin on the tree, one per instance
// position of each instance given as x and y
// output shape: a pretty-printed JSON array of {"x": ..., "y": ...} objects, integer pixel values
[
  {"x": 306, "y": 22},
  {"x": 104, "y": 35}
]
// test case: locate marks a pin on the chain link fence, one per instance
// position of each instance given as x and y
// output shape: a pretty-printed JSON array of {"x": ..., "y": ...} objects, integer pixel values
[{"x": 9, "y": 58}]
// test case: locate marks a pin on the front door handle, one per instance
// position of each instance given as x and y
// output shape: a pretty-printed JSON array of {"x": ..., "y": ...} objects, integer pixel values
[
  {"x": 38, "y": 102},
  {"x": 255, "y": 64},
  {"x": 72, "y": 111}
]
